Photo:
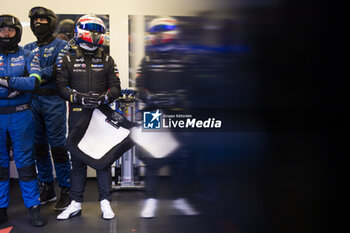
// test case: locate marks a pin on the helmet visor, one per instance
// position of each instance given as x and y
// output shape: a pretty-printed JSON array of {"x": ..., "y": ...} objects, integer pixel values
[
  {"x": 162, "y": 28},
  {"x": 93, "y": 27},
  {"x": 8, "y": 20}
]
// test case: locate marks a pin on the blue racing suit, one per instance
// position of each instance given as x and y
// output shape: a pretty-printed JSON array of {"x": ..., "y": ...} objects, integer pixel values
[
  {"x": 50, "y": 116},
  {"x": 16, "y": 120}
]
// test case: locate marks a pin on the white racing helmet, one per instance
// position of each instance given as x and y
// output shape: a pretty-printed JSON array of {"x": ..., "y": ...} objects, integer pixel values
[{"x": 162, "y": 32}]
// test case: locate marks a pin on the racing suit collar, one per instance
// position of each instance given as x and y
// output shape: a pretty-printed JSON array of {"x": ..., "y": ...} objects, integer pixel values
[
  {"x": 9, "y": 51},
  {"x": 45, "y": 41},
  {"x": 98, "y": 53}
]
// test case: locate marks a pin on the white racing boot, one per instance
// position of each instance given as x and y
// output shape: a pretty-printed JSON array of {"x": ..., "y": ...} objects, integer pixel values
[
  {"x": 149, "y": 208},
  {"x": 107, "y": 212},
  {"x": 185, "y": 208},
  {"x": 74, "y": 209}
]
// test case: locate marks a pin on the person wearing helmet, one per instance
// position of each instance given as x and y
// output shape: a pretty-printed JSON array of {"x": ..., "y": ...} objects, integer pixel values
[
  {"x": 161, "y": 83},
  {"x": 159, "y": 74},
  {"x": 87, "y": 79},
  {"x": 49, "y": 109},
  {"x": 19, "y": 75},
  {"x": 163, "y": 34},
  {"x": 65, "y": 30}
]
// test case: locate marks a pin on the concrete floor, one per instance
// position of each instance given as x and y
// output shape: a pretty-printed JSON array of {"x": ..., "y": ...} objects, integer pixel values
[{"x": 126, "y": 205}]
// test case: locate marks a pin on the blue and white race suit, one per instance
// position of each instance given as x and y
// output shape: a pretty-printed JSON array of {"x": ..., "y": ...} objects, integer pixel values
[
  {"x": 50, "y": 116},
  {"x": 16, "y": 120}
]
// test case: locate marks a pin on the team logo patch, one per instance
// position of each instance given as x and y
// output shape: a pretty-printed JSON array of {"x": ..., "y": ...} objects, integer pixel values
[
  {"x": 79, "y": 70},
  {"x": 17, "y": 59},
  {"x": 97, "y": 65},
  {"x": 80, "y": 65},
  {"x": 17, "y": 64},
  {"x": 152, "y": 120},
  {"x": 95, "y": 60},
  {"x": 49, "y": 50},
  {"x": 115, "y": 119}
]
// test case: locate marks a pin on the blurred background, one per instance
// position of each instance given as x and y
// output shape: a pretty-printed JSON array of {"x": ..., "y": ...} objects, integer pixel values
[{"x": 262, "y": 67}]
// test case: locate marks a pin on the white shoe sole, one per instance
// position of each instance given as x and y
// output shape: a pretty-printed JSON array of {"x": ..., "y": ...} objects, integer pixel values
[
  {"x": 108, "y": 218},
  {"x": 71, "y": 215},
  {"x": 147, "y": 216},
  {"x": 60, "y": 209}
]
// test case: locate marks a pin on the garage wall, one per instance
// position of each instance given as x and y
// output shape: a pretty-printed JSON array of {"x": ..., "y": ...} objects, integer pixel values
[{"x": 118, "y": 11}]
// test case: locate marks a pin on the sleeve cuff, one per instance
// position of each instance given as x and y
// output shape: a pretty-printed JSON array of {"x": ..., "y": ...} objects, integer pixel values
[{"x": 37, "y": 76}]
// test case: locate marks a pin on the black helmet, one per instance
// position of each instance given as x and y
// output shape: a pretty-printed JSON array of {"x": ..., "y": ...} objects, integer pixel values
[
  {"x": 42, "y": 12},
  {"x": 11, "y": 21},
  {"x": 66, "y": 27}
]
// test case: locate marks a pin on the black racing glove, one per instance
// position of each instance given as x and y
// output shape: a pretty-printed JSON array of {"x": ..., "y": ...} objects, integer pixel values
[
  {"x": 88, "y": 100},
  {"x": 4, "y": 81},
  {"x": 103, "y": 99}
]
